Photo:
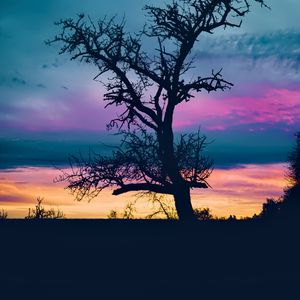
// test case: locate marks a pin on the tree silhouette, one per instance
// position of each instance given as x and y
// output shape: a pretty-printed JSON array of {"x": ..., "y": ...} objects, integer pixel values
[
  {"x": 291, "y": 197},
  {"x": 287, "y": 205},
  {"x": 148, "y": 85}
]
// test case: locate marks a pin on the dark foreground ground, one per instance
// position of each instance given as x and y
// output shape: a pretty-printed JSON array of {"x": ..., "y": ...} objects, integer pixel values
[{"x": 101, "y": 259}]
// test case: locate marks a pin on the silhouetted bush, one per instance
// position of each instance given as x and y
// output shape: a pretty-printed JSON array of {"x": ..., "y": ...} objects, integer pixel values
[
  {"x": 271, "y": 208},
  {"x": 232, "y": 218},
  {"x": 3, "y": 214},
  {"x": 112, "y": 214},
  {"x": 39, "y": 212},
  {"x": 128, "y": 212},
  {"x": 203, "y": 214}
]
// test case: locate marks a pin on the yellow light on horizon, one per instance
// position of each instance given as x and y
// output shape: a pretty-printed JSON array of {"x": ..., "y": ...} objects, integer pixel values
[{"x": 238, "y": 191}]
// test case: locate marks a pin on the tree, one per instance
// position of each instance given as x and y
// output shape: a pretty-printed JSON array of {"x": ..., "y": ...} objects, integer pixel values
[
  {"x": 288, "y": 205},
  {"x": 148, "y": 85}
]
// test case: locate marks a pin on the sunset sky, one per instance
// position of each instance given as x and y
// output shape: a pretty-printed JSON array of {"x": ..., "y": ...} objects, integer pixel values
[{"x": 50, "y": 107}]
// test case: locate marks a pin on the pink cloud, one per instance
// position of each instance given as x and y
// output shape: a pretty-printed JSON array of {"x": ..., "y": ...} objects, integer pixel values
[
  {"x": 271, "y": 106},
  {"x": 85, "y": 110}
]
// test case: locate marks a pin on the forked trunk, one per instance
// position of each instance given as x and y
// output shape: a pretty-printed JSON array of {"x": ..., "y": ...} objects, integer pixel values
[{"x": 183, "y": 204}]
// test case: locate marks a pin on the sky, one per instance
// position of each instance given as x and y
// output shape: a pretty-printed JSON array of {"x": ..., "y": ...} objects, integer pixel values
[{"x": 50, "y": 107}]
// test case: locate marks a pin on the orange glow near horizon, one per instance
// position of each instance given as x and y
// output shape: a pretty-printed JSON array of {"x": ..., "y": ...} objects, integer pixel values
[
  {"x": 241, "y": 191},
  {"x": 237, "y": 191}
]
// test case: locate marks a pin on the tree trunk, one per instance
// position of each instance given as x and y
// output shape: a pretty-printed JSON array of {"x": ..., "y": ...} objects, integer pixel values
[
  {"x": 183, "y": 204},
  {"x": 181, "y": 191}
]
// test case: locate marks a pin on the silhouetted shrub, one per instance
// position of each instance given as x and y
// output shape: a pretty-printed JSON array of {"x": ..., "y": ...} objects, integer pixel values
[
  {"x": 3, "y": 214},
  {"x": 271, "y": 208},
  {"x": 112, "y": 214},
  {"x": 128, "y": 212},
  {"x": 39, "y": 212},
  {"x": 203, "y": 214},
  {"x": 232, "y": 218}
]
